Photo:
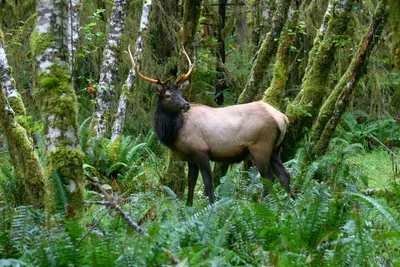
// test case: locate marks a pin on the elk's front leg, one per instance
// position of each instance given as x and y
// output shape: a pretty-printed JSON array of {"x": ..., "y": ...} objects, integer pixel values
[{"x": 192, "y": 179}]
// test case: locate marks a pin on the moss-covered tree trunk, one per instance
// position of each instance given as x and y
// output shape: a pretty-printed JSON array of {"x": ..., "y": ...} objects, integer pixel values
[
  {"x": 8, "y": 83},
  {"x": 266, "y": 53},
  {"x": 174, "y": 175},
  {"x": 394, "y": 21},
  {"x": 338, "y": 101},
  {"x": 58, "y": 105},
  {"x": 109, "y": 68},
  {"x": 128, "y": 85},
  {"x": 276, "y": 91},
  {"x": 303, "y": 111},
  {"x": 24, "y": 157}
]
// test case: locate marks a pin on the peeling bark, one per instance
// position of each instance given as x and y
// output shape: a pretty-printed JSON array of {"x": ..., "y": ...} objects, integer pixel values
[
  {"x": 109, "y": 69},
  {"x": 127, "y": 87},
  {"x": 265, "y": 54},
  {"x": 343, "y": 92},
  {"x": 58, "y": 105}
]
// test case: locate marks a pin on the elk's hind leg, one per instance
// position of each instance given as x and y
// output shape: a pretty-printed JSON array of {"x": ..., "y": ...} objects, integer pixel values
[
  {"x": 262, "y": 161},
  {"x": 203, "y": 162},
  {"x": 280, "y": 171}
]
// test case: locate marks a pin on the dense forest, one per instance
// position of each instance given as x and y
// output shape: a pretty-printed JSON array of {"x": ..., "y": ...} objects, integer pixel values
[{"x": 93, "y": 165}]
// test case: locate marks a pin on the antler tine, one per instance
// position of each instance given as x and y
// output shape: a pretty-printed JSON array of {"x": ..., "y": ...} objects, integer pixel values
[
  {"x": 141, "y": 75},
  {"x": 184, "y": 77}
]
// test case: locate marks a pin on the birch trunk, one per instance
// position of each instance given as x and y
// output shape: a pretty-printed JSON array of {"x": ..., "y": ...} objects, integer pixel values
[
  {"x": 265, "y": 54},
  {"x": 331, "y": 114},
  {"x": 127, "y": 87},
  {"x": 58, "y": 105},
  {"x": 109, "y": 69},
  {"x": 24, "y": 157},
  {"x": 73, "y": 32}
]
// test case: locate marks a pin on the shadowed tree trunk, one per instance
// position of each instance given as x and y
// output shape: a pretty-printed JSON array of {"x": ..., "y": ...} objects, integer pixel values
[
  {"x": 303, "y": 111},
  {"x": 174, "y": 176},
  {"x": 265, "y": 54},
  {"x": 24, "y": 157},
  {"x": 394, "y": 21},
  {"x": 338, "y": 101},
  {"x": 128, "y": 85},
  {"x": 58, "y": 105},
  {"x": 109, "y": 69}
]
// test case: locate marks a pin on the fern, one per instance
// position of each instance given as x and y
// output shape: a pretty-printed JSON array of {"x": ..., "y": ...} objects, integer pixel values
[{"x": 60, "y": 194}]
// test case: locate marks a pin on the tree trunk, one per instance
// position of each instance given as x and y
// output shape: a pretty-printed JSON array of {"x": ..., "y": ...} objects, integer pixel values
[
  {"x": 127, "y": 87},
  {"x": 394, "y": 20},
  {"x": 24, "y": 157},
  {"x": 265, "y": 54},
  {"x": 303, "y": 111},
  {"x": 275, "y": 93},
  {"x": 325, "y": 129},
  {"x": 58, "y": 105},
  {"x": 174, "y": 176},
  {"x": 101, "y": 114},
  {"x": 73, "y": 33},
  {"x": 8, "y": 83},
  {"x": 220, "y": 81}
]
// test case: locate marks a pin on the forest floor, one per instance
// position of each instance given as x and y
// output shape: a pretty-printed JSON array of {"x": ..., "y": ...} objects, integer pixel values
[{"x": 377, "y": 165}]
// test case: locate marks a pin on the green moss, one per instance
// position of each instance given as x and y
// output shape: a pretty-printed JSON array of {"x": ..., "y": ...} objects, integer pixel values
[
  {"x": 68, "y": 162},
  {"x": 17, "y": 104},
  {"x": 56, "y": 97},
  {"x": 40, "y": 42},
  {"x": 394, "y": 21}
]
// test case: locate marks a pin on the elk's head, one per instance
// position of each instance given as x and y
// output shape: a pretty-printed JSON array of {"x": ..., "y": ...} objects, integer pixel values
[{"x": 170, "y": 98}]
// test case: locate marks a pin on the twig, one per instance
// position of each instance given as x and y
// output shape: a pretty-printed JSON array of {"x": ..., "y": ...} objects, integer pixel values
[
  {"x": 116, "y": 206},
  {"x": 94, "y": 225},
  {"x": 147, "y": 215},
  {"x": 105, "y": 203},
  {"x": 134, "y": 225},
  {"x": 384, "y": 146}
]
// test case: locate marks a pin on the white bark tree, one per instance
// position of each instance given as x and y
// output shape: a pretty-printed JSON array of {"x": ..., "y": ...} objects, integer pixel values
[
  {"x": 73, "y": 31},
  {"x": 58, "y": 104},
  {"x": 127, "y": 87},
  {"x": 109, "y": 68}
]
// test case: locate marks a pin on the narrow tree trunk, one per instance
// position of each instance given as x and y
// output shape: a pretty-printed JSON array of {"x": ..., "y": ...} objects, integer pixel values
[
  {"x": 58, "y": 105},
  {"x": 394, "y": 20},
  {"x": 174, "y": 176},
  {"x": 73, "y": 33},
  {"x": 109, "y": 69},
  {"x": 343, "y": 91},
  {"x": 241, "y": 22},
  {"x": 265, "y": 54},
  {"x": 8, "y": 83},
  {"x": 127, "y": 87},
  {"x": 303, "y": 111},
  {"x": 275, "y": 93}
]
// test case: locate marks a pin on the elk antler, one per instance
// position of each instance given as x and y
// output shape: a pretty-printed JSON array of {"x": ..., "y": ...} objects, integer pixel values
[
  {"x": 184, "y": 77},
  {"x": 157, "y": 81}
]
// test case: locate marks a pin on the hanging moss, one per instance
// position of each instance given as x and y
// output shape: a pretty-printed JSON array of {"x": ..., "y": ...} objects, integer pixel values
[{"x": 39, "y": 42}]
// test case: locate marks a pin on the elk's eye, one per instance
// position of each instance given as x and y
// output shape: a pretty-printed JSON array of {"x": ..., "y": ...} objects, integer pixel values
[{"x": 167, "y": 96}]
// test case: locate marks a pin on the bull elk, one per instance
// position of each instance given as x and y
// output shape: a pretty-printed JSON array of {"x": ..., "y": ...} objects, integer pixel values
[{"x": 198, "y": 133}]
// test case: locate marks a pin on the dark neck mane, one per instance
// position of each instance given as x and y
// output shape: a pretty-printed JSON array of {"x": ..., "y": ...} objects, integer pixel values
[{"x": 167, "y": 126}]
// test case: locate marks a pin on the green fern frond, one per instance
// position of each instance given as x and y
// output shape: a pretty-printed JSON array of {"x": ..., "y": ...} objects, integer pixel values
[{"x": 59, "y": 192}]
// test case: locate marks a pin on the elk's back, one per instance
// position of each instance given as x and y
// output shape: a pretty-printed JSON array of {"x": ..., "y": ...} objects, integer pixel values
[{"x": 227, "y": 133}]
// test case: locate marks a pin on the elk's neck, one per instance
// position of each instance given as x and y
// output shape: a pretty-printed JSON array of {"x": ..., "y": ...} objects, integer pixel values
[{"x": 167, "y": 126}]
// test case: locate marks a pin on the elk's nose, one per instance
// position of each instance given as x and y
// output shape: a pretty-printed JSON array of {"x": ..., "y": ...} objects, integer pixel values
[{"x": 186, "y": 106}]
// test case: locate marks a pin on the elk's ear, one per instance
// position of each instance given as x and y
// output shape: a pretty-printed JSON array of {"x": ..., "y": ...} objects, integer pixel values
[
  {"x": 159, "y": 89},
  {"x": 184, "y": 86}
]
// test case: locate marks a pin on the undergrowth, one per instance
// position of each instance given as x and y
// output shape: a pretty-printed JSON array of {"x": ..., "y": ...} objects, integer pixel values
[{"x": 329, "y": 222}]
